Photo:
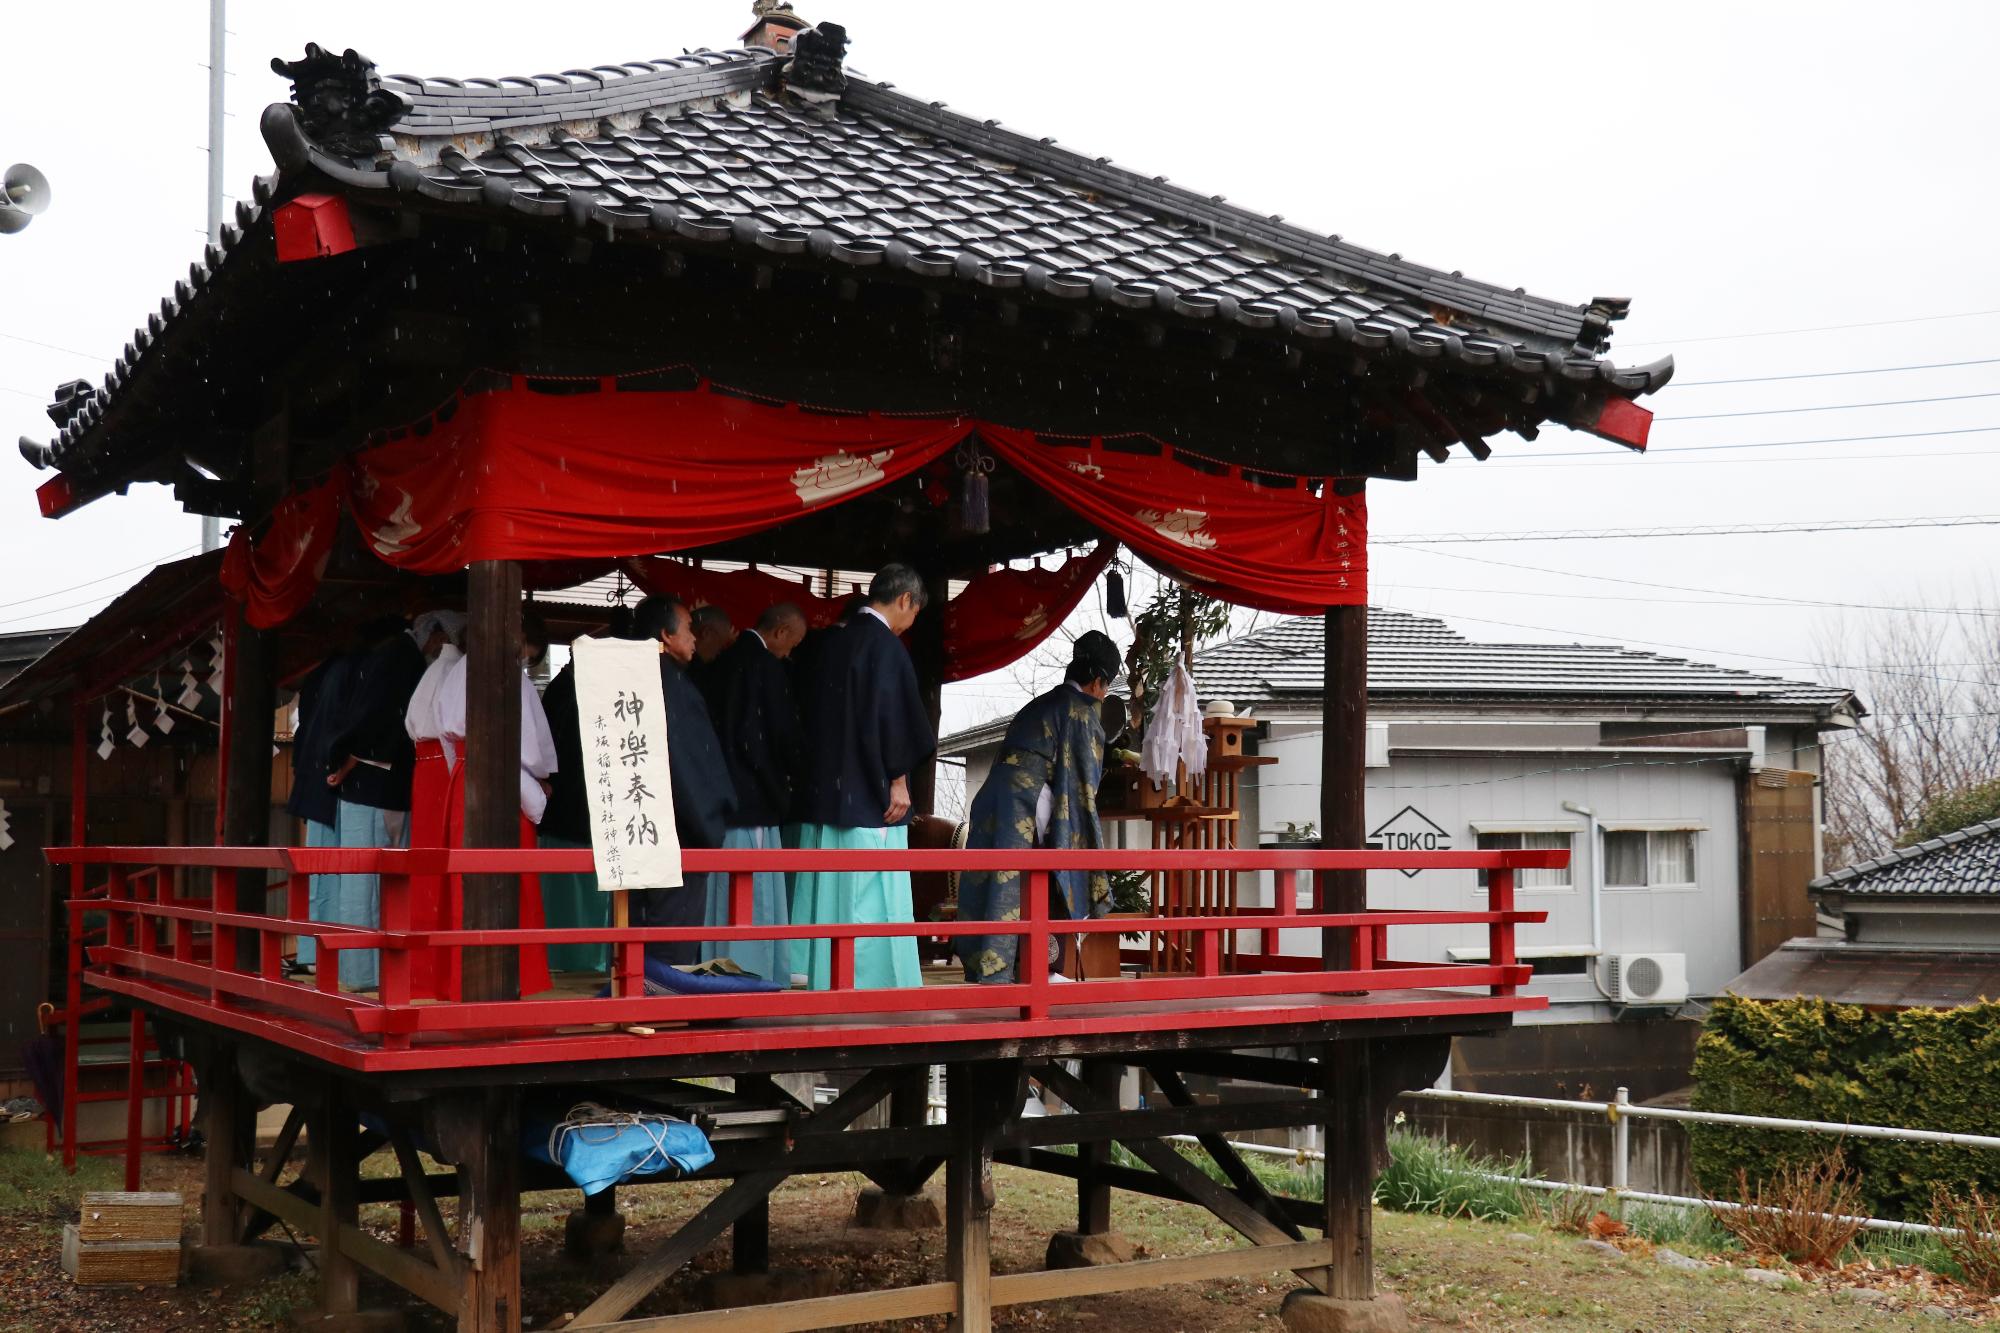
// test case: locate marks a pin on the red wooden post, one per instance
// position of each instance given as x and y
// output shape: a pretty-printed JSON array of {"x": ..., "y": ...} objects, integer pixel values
[
  {"x": 135, "y": 1096},
  {"x": 843, "y": 963},
  {"x": 394, "y": 974},
  {"x": 72, "y": 1018},
  {"x": 1031, "y": 951},
  {"x": 1500, "y": 935},
  {"x": 1284, "y": 903},
  {"x": 741, "y": 886}
]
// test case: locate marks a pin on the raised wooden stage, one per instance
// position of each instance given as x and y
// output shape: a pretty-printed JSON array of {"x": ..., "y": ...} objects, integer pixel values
[{"x": 452, "y": 1078}]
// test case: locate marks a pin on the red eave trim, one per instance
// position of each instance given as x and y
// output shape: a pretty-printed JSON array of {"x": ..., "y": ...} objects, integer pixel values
[{"x": 1623, "y": 420}]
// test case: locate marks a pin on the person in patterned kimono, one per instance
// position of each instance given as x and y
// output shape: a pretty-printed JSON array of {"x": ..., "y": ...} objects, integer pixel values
[{"x": 1042, "y": 792}]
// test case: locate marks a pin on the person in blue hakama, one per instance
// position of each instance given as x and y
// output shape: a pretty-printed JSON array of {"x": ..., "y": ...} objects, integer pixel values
[
  {"x": 319, "y": 702},
  {"x": 570, "y": 901},
  {"x": 1041, "y": 792},
  {"x": 750, "y": 700},
  {"x": 866, "y": 727},
  {"x": 704, "y": 796},
  {"x": 370, "y": 759}
]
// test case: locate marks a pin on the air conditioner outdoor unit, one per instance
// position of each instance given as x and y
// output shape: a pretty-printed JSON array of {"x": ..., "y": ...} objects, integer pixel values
[{"x": 1648, "y": 978}]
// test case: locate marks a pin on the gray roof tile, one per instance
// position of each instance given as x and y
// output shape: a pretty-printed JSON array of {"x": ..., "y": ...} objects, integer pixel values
[{"x": 1960, "y": 863}]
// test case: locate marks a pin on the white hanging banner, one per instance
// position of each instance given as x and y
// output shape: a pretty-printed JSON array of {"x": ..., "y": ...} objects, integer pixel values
[{"x": 623, "y": 718}]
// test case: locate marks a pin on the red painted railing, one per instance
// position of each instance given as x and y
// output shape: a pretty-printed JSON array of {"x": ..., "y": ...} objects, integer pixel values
[{"x": 183, "y": 953}]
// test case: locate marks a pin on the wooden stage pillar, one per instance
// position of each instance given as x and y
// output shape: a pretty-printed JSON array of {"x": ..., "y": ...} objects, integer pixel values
[
  {"x": 978, "y": 1097},
  {"x": 1343, "y": 825},
  {"x": 492, "y": 768},
  {"x": 481, "y": 1134},
  {"x": 250, "y": 703}
]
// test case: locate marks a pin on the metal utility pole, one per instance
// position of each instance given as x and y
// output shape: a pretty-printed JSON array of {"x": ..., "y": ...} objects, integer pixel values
[{"x": 211, "y": 527}]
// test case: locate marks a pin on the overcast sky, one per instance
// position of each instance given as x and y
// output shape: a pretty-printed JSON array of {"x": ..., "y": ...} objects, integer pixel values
[{"x": 1734, "y": 169}]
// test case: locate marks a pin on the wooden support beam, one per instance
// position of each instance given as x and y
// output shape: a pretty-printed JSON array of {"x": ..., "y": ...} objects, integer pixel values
[
  {"x": 744, "y": 1193},
  {"x": 336, "y": 1169},
  {"x": 256, "y": 1220},
  {"x": 1178, "y": 1171},
  {"x": 481, "y": 1132},
  {"x": 1093, "y": 1190},
  {"x": 1308, "y": 1216},
  {"x": 228, "y": 1122},
  {"x": 978, "y": 1097},
  {"x": 1240, "y": 1175},
  {"x": 492, "y": 769},
  {"x": 418, "y": 1183}
]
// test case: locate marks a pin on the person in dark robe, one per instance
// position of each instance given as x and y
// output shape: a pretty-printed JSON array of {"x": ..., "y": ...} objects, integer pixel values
[
  {"x": 868, "y": 728},
  {"x": 1041, "y": 792},
  {"x": 370, "y": 760},
  {"x": 571, "y": 900},
  {"x": 750, "y": 697},
  {"x": 704, "y": 796},
  {"x": 311, "y": 799},
  {"x": 714, "y": 631}
]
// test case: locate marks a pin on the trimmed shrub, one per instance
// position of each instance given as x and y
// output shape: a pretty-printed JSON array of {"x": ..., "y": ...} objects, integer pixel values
[{"x": 1812, "y": 1060}]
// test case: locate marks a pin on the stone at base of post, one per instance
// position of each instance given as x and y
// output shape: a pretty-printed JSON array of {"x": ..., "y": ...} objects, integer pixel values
[
  {"x": 726, "y": 1291},
  {"x": 235, "y": 1265},
  {"x": 878, "y": 1210},
  {"x": 1309, "y": 1312},
  {"x": 355, "y": 1321},
  {"x": 1087, "y": 1249},
  {"x": 588, "y": 1235}
]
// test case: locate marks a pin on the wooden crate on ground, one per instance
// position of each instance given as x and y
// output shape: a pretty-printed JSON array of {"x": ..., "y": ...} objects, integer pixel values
[
  {"x": 124, "y": 1238},
  {"x": 129, "y": 1215}
]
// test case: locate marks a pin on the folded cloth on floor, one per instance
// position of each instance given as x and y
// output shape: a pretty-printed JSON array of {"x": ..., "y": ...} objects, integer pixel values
[
  {"x": 718, "y": 976},
  {"x": 598, "y": 1147}
]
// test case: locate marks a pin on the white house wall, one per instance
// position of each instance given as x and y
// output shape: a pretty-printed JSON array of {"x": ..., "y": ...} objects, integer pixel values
[{"x": 1455, "y": 791}]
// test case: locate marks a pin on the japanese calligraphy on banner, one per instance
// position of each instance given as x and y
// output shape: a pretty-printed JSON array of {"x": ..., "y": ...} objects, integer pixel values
[{"x": 624, "y": 723}]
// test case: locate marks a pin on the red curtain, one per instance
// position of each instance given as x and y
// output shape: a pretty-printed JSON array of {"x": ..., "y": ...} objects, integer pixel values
[
  {"x": 276, "y": 576},
  {"x": 536, "y": 471},
  {"x": 1004, "y": 614},
  {"x": 743, "y": 593},
  {"x": 999, "y": 617}
]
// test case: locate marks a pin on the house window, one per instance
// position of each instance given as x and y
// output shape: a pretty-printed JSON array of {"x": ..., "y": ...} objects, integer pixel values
[
  {"x": 1543, "y": 841},
  {"x": 1648, "y": 859}
]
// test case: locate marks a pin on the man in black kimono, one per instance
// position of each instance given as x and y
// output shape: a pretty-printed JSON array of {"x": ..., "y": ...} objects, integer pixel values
[
  {"x": 868, "y": 728},
  {"x": 703, "y": 795},
  {"x": 369, "y": 759},
  {"x": 750, "y": 697},
  {"x": 714, "y": 631},
  {"x": 312, "y": 800}
]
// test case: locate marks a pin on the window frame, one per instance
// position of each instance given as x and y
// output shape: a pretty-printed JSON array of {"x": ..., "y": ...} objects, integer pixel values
[
  {"x": 1652, "y": 829},
  {"x": 1521, "y": 828}
]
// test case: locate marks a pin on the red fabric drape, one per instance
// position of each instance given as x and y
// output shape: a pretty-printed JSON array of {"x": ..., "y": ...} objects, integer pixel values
[
  {"x": 743, "y": 593},
  {"x": 276, "y": 576},
  {"x": 519, "y": 474},
  {"x": 999, "y": 617},
  {"x": 1267, "y": 543},
  {"x": 1004, "y": 614}
]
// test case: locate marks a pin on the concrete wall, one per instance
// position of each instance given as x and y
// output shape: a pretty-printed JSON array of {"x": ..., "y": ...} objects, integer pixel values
[{"x": 1560, "y": 1145}]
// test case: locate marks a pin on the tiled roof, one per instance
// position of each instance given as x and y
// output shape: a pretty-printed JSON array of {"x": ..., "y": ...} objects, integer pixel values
[
  {"x": 1411, "y": 657},
  {"x": 1965, "y": 862},
  {"x": 1417, "y": 659},
  {"x": 1903, "y": 978},
  {"x": 713, "y": 148}
]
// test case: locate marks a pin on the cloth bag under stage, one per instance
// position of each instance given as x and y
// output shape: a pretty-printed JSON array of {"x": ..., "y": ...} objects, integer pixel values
[
  {"x": 623, "y": 718},
  {"x": 598, "y": 1147}
]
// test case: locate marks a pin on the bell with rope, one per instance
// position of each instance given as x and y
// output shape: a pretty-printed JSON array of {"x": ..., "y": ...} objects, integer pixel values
[{"x": 975, "y": 513}]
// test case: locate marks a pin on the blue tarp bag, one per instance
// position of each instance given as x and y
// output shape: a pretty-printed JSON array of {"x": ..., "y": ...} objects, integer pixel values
[
  {"x": 598, "y": 1147},
  {"x": 666, "y": 979}
]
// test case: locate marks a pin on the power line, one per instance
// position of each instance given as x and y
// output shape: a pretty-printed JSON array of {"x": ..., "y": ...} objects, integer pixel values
[
  {"x": 1833, "y": 374},
  {"x": 1682, "y": 587},
  {"x": 1725, "y": 600},
  {"x": 1606, "y": 460},
  {"x": 56, "y": 347},
  {"x": 1714, "y": 530},
  {"x": 1817, "y": 328},
  {"x": 102, "y": 578},
  {"x": 1830, "y": 407},
  {"x": 1754, "y": 444}
]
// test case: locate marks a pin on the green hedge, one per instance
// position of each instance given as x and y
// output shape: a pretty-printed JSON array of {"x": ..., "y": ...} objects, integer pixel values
[{"x": 1812, "y": 1060}]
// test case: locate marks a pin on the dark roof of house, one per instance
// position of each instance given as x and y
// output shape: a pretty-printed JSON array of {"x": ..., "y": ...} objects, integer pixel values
[
  {"x": 18, "y": 651},
  {"x": 1418, "y": 659},
  {"x": 1962, "y": 863},
  {"x": 732, "y": 148},
  {"x": 1895, "y": 978}
]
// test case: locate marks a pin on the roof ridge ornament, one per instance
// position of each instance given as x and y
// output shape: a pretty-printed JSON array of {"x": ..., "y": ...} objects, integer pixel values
[
  {"x": 342, "y": 103},
  {"x": 814, "y": 72}
]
